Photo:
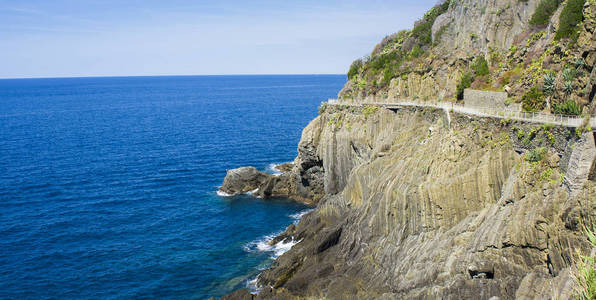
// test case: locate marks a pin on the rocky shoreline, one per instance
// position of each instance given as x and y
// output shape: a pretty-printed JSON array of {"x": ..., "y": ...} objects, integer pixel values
[
  {"x": 300, "y": 180},
  {"x": 419, "y": 203},
  {"x": 453, "y": 212}
]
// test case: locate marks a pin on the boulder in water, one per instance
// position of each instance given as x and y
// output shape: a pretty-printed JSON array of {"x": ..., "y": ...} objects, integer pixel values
[{"x": 242, "y": 180}]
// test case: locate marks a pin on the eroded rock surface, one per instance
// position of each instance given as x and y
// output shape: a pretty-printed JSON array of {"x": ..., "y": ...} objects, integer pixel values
[
  {"x": 420, "y": 210},
  {"x": 415, "y": 204},
  {"x": 242, "y": 180},
  {"x": 301, "y": 180}
]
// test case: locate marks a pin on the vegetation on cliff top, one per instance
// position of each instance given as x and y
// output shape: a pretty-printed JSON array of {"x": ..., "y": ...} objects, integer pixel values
[
  {"x": 571, "y": 16},
  {"x": 544, "y": 11},
  {"x": 422, "y": 31},
  {"x": 537, "y": 71},
  {"x": 388, "y": 56}
]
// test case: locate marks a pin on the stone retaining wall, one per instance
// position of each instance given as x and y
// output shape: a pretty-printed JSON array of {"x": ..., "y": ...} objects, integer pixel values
[{"x": 484, "y": 99}]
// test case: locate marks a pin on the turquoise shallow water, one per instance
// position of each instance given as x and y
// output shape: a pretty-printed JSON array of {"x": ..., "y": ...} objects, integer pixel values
[{"x": 107, "y": 185}]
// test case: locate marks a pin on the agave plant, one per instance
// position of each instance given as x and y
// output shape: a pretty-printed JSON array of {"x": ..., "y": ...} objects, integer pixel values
[
  {"x": 568, "y": 87},
  {"x": 549, "y": 83},
  {"x": 569, "y": 74},
  {"x": 570, "y": 107},
  {"x": 579, "y": 62}
]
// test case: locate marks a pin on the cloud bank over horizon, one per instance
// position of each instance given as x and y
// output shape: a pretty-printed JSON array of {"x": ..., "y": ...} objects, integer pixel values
[{"x": 70, "y": 38}]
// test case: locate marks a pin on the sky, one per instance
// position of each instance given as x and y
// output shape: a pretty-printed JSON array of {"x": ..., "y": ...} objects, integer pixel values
[{"x": 77, "y": 38}]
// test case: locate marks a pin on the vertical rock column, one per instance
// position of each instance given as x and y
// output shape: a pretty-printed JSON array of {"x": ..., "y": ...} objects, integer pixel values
[{"x": 580, "y": 163}]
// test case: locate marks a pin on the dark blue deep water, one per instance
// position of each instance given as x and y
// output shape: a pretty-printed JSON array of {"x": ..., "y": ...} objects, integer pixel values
[{"x": 107, "y": 185}]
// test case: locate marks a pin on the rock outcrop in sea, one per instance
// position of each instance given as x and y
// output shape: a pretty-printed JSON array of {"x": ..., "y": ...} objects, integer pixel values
[
  {"x": 302, "y": 180},
  {"x": 423, "y": 203}
]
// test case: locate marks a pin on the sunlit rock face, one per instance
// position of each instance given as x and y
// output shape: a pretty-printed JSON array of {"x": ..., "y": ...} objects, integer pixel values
[
  {"x": 424, "y": 203},
  {"x": 419, "y": 208}
]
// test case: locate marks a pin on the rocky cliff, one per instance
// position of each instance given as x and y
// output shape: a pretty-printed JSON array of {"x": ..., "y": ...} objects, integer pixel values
[
  {"x": 424, "y": 203},
  {"x": 423, "y": 210},
  {"x": 497, "y": 45}
]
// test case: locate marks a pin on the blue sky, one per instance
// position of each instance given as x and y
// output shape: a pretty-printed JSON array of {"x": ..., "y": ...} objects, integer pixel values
[{"x": 66, "y": 38}]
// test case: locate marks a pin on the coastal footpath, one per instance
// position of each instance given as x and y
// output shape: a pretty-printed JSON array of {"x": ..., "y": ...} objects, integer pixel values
[{"x": 421, "y": 202}]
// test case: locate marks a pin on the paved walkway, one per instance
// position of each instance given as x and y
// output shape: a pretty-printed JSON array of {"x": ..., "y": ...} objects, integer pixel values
[{"x": 563, "y": 120}]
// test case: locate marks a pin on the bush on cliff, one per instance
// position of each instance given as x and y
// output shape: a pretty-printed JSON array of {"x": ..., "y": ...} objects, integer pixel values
[
  {"x": 423, "y": 29},
  {"x": 533, "y": 100},
  {"x": 388, "y": 56},
  {"x": 480, "y": 66},
  {"x": 355, "y": 68},
  {"x": 567, "y": 108},
  {"x": 571, "y": 16},
  {"x": 586, "y": 270},
  {"x": 544, "y": 11},
  {"x": 465, "y": 82},
  {"x": 536, "y": 154}
]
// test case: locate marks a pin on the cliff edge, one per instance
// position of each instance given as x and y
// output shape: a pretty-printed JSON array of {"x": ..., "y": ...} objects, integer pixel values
[{"x": 426, "y": 203}]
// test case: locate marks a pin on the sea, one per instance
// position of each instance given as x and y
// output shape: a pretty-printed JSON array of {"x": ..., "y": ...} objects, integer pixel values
[{"x": 108, "y": 186}]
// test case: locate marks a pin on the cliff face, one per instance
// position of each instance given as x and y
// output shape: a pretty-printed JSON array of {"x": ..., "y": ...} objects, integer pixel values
[
  {"x": 490, "y": 45},
  {"x": 423, "y": 203},
  {"x": 425, "y": 207}
]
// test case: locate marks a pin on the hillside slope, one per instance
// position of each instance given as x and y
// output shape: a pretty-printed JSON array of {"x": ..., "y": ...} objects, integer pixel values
[{"x": 511, "y": 46}]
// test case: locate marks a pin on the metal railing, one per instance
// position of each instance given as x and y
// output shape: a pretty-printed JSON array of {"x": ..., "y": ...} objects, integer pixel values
[{"x": 535, "y": 117}]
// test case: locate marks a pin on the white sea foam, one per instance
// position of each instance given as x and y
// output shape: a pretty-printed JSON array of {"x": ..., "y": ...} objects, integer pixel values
[
  {"x": 252, "y": 192},
  {"x": 264, "y": 245},
  {"x": 283, "y": 247},
  {"x": 297, "y": 216},
  {"x": 278, "y": 249},
  {"x": 223, "y": 194},
  {"x": 252, "y": 284},
  {"x": 272, "y": 168}
]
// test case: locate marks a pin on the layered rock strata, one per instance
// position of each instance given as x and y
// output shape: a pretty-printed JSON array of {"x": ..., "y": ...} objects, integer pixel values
[{"x": 417, "y": 209}]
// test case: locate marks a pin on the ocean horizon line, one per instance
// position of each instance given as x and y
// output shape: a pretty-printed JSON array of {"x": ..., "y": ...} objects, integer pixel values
[{"x": 157, "y": 76}]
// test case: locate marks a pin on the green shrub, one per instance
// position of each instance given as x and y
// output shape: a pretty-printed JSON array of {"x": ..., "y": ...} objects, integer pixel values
[
  {"x": 568, "y": 87},
  {"x": 533, "y": 100},
  {"x": 569, "y": 74},
  {"x": 388, "y": 74},
  {"x": 579, "y": 63},
  {"x": 386, "y": 64},
  {"x": 567, "y": 108},
  {"x": 586, "y": 270},
  {"x": 382, "y": 61},
  {"x": 416, "y": 52},
  {"x": 536, "y": 155},
  {"x": 369, "y": 110},
  {"x": 465, "y": 82},
  {"x": 544, "y": 11},
  {"x": 355, "y": 68},
  {"x": 480, "y": 66},
  {"x": 571, "y": 16},
  {"x": 423, "y": 30}
]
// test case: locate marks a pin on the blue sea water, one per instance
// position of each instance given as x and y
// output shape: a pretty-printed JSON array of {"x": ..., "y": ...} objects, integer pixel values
[{"x": 108, "y": 185}]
